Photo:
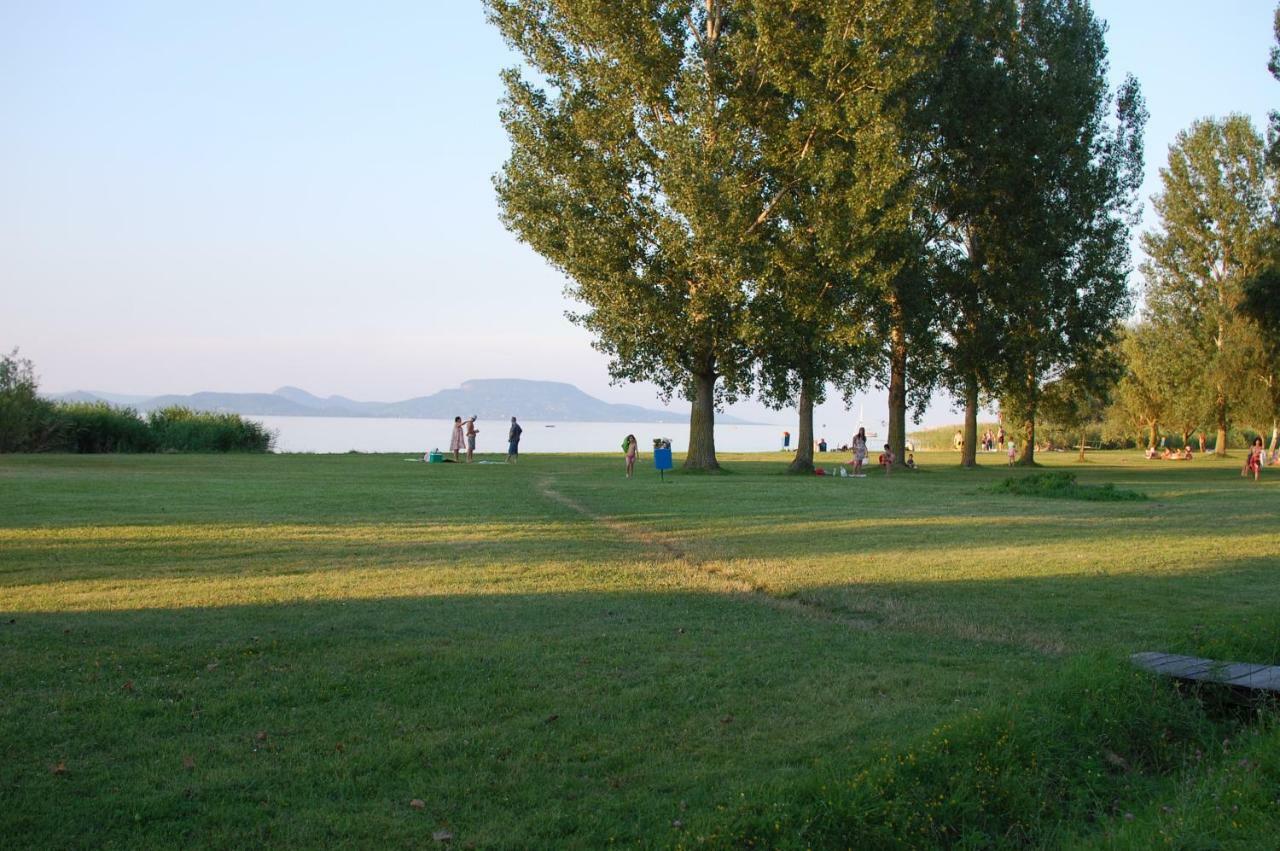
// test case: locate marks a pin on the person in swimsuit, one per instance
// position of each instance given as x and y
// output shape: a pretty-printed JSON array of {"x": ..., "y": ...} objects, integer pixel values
[
  {"x": 631, "y": 447},
  {"x": 472, "y": 431}
]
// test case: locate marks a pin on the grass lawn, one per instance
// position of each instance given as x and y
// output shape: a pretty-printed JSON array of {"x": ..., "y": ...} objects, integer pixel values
[{"x": 353, "y": 650}]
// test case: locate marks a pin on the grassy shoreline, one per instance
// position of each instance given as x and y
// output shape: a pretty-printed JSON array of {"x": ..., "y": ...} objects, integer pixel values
[{"x": 279, "y": 649}]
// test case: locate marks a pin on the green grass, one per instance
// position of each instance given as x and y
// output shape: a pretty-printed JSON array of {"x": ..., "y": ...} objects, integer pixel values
[{"x": 290, "y": 650}]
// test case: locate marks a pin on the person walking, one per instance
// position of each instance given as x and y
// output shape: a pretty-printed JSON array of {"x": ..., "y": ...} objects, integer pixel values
[
  {"x": 859, "y": 452},
  {"x": 472, "y": 431},
  {"x": 457, "y": 442},
  {"x": 632, "y": 448},
  {"x": 513, "y": 441},
  {"x": 1253, "y": 462}
]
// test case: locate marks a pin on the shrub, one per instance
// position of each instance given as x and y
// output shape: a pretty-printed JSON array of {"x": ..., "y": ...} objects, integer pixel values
[
  {"x": 27, "y": 422},
  {"x": 179, "y": 429},
  {"x": 1063, "y": 485},
  {"x": 92, "y": 427}
]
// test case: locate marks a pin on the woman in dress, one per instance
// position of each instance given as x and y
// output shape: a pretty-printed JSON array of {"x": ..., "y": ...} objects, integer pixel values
[
  {"x": 1253, "y": 463},
  {"x": 458, "y": 442},
  {"x": 859, "y": 452}
]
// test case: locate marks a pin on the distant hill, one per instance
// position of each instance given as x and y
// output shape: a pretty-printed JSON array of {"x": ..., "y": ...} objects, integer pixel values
[{"x": 497, "y": 398}]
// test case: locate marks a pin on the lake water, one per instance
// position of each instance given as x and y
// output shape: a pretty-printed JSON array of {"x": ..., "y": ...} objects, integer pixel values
[{"x": 369, "y": 434}]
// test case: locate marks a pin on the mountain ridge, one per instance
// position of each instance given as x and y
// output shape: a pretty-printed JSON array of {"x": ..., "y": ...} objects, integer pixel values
[{"x": 487, "y": 398}]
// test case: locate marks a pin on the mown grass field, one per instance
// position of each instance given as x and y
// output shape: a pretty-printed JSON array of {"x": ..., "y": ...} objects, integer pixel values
[{"x": 218, "y": 651}]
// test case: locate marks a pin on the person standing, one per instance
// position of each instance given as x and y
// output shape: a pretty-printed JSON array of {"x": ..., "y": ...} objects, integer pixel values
[
  {"x": 958, "y": 441},
  {"x": 632, "y": 448},
  {"x": 1000, "y": 437},
  {"x": 860, "y": 452},
  {"x": 1202, "y": 442},
  {"x": 457, "y": 441},
  {"x": 472, "y": 431},
  {"x": 1253, "y": 463},
  {"x": 513, "y": 441}
]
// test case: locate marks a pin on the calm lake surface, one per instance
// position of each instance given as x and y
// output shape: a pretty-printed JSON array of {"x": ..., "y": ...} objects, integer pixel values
[{"x": 368, "y": 434}]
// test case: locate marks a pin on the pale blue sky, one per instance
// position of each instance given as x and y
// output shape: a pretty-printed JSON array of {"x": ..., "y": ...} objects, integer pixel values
[{"x": 236, "y": 195}]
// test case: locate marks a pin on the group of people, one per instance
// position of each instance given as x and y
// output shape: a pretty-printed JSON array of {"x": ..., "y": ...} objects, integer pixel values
[
  {"x": 988, "y": 442},
  {"x": 1167, "y": 454},
  {"x": 886, "y": 459},
  {"x": 464, "y": 439}
]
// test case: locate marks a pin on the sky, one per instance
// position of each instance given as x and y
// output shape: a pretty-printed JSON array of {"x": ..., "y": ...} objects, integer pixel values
[{"x": 240, "y": 195}]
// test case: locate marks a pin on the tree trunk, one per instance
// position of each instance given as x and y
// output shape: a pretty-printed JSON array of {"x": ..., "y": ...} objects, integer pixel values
[
  {"x": 803, "y": 462},
  {"x": 702, "y": 424},
  {"x": 1220, "y": 448},
  {"x": 1151, "y": 436},
  {"x": 1081, "y": 445},
  {"x": 898, "y": 386},
  {"x": 1027, "y": 455},
  {"x": 1275, "y": 433},
  {"x": 969, "y": 453}
]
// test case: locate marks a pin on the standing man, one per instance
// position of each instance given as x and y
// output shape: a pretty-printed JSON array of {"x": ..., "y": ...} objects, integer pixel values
[
  {"x": 513, "y": 441},
  {"x": 472, "y": 431}
]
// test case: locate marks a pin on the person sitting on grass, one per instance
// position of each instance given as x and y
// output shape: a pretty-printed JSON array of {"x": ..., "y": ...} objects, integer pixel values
[
  {"x": 886, "y": 459},
  {"x": 1186, "y": 453},
  {"x": 911, "y": 460}
]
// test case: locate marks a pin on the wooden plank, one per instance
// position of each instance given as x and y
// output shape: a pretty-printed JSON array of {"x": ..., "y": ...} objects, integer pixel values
[{"x": 1234, "y": 674}]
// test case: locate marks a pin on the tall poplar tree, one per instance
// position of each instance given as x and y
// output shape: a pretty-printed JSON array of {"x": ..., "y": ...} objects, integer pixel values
[
  {"x": 1079, "y": 187},
  {"x": 663, "y": 154},
  {"x": 1213, "y": 222},
  {"x": 839, "y": 81},
  {"x": 634, "y": 171}
]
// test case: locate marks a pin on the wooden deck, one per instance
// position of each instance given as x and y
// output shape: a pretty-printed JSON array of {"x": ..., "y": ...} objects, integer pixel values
[{"x": 1233, "y": 674}]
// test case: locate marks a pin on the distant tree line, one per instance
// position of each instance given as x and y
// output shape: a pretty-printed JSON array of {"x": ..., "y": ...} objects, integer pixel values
[
  {"x": 1204, "y": 354},
  {"x": 30, "y": 423},
  {"x": 791, "y": 198}
]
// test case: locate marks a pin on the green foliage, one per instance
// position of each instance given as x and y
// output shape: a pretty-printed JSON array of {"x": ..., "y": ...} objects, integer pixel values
[
  {"x": 1214, "y": 224},
  {"x": 179, "y": 429},
  {"x": 27, "y": 422},
  {"x": 99, "y": 427},
  {"x": 1063, "y": 485}
]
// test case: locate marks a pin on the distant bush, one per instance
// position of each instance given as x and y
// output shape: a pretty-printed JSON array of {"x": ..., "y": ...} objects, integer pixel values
[
  {"x": 1063, "y": 485},
  {"x": 180, "y": 429},
  {"x": 27, "y": 422},
  {"x": 98, "y": 427}
]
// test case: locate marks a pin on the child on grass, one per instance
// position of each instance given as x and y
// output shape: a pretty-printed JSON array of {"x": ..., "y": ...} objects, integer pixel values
[
  {"x": 631, "y": 447},
  {"x": 886, "y": 459}
]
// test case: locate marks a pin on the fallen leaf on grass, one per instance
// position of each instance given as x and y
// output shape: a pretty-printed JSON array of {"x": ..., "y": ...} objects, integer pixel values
[
  {"x": 551, "y": 718},
  {"x": 60, "y": 767},
  {"x": 728, "y": 719},
  {"x": 339, "y": 747},
  {"x": 418, "y": 804},
  {"x": 128, "y": 686},
  {"x": 188, "y": 762},
  {"x": 261, "y": 735},
  {"x": 211, "y": 666},
  {"x": 1115, "y": 759},
  {"x": 442, "y": 836}
]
